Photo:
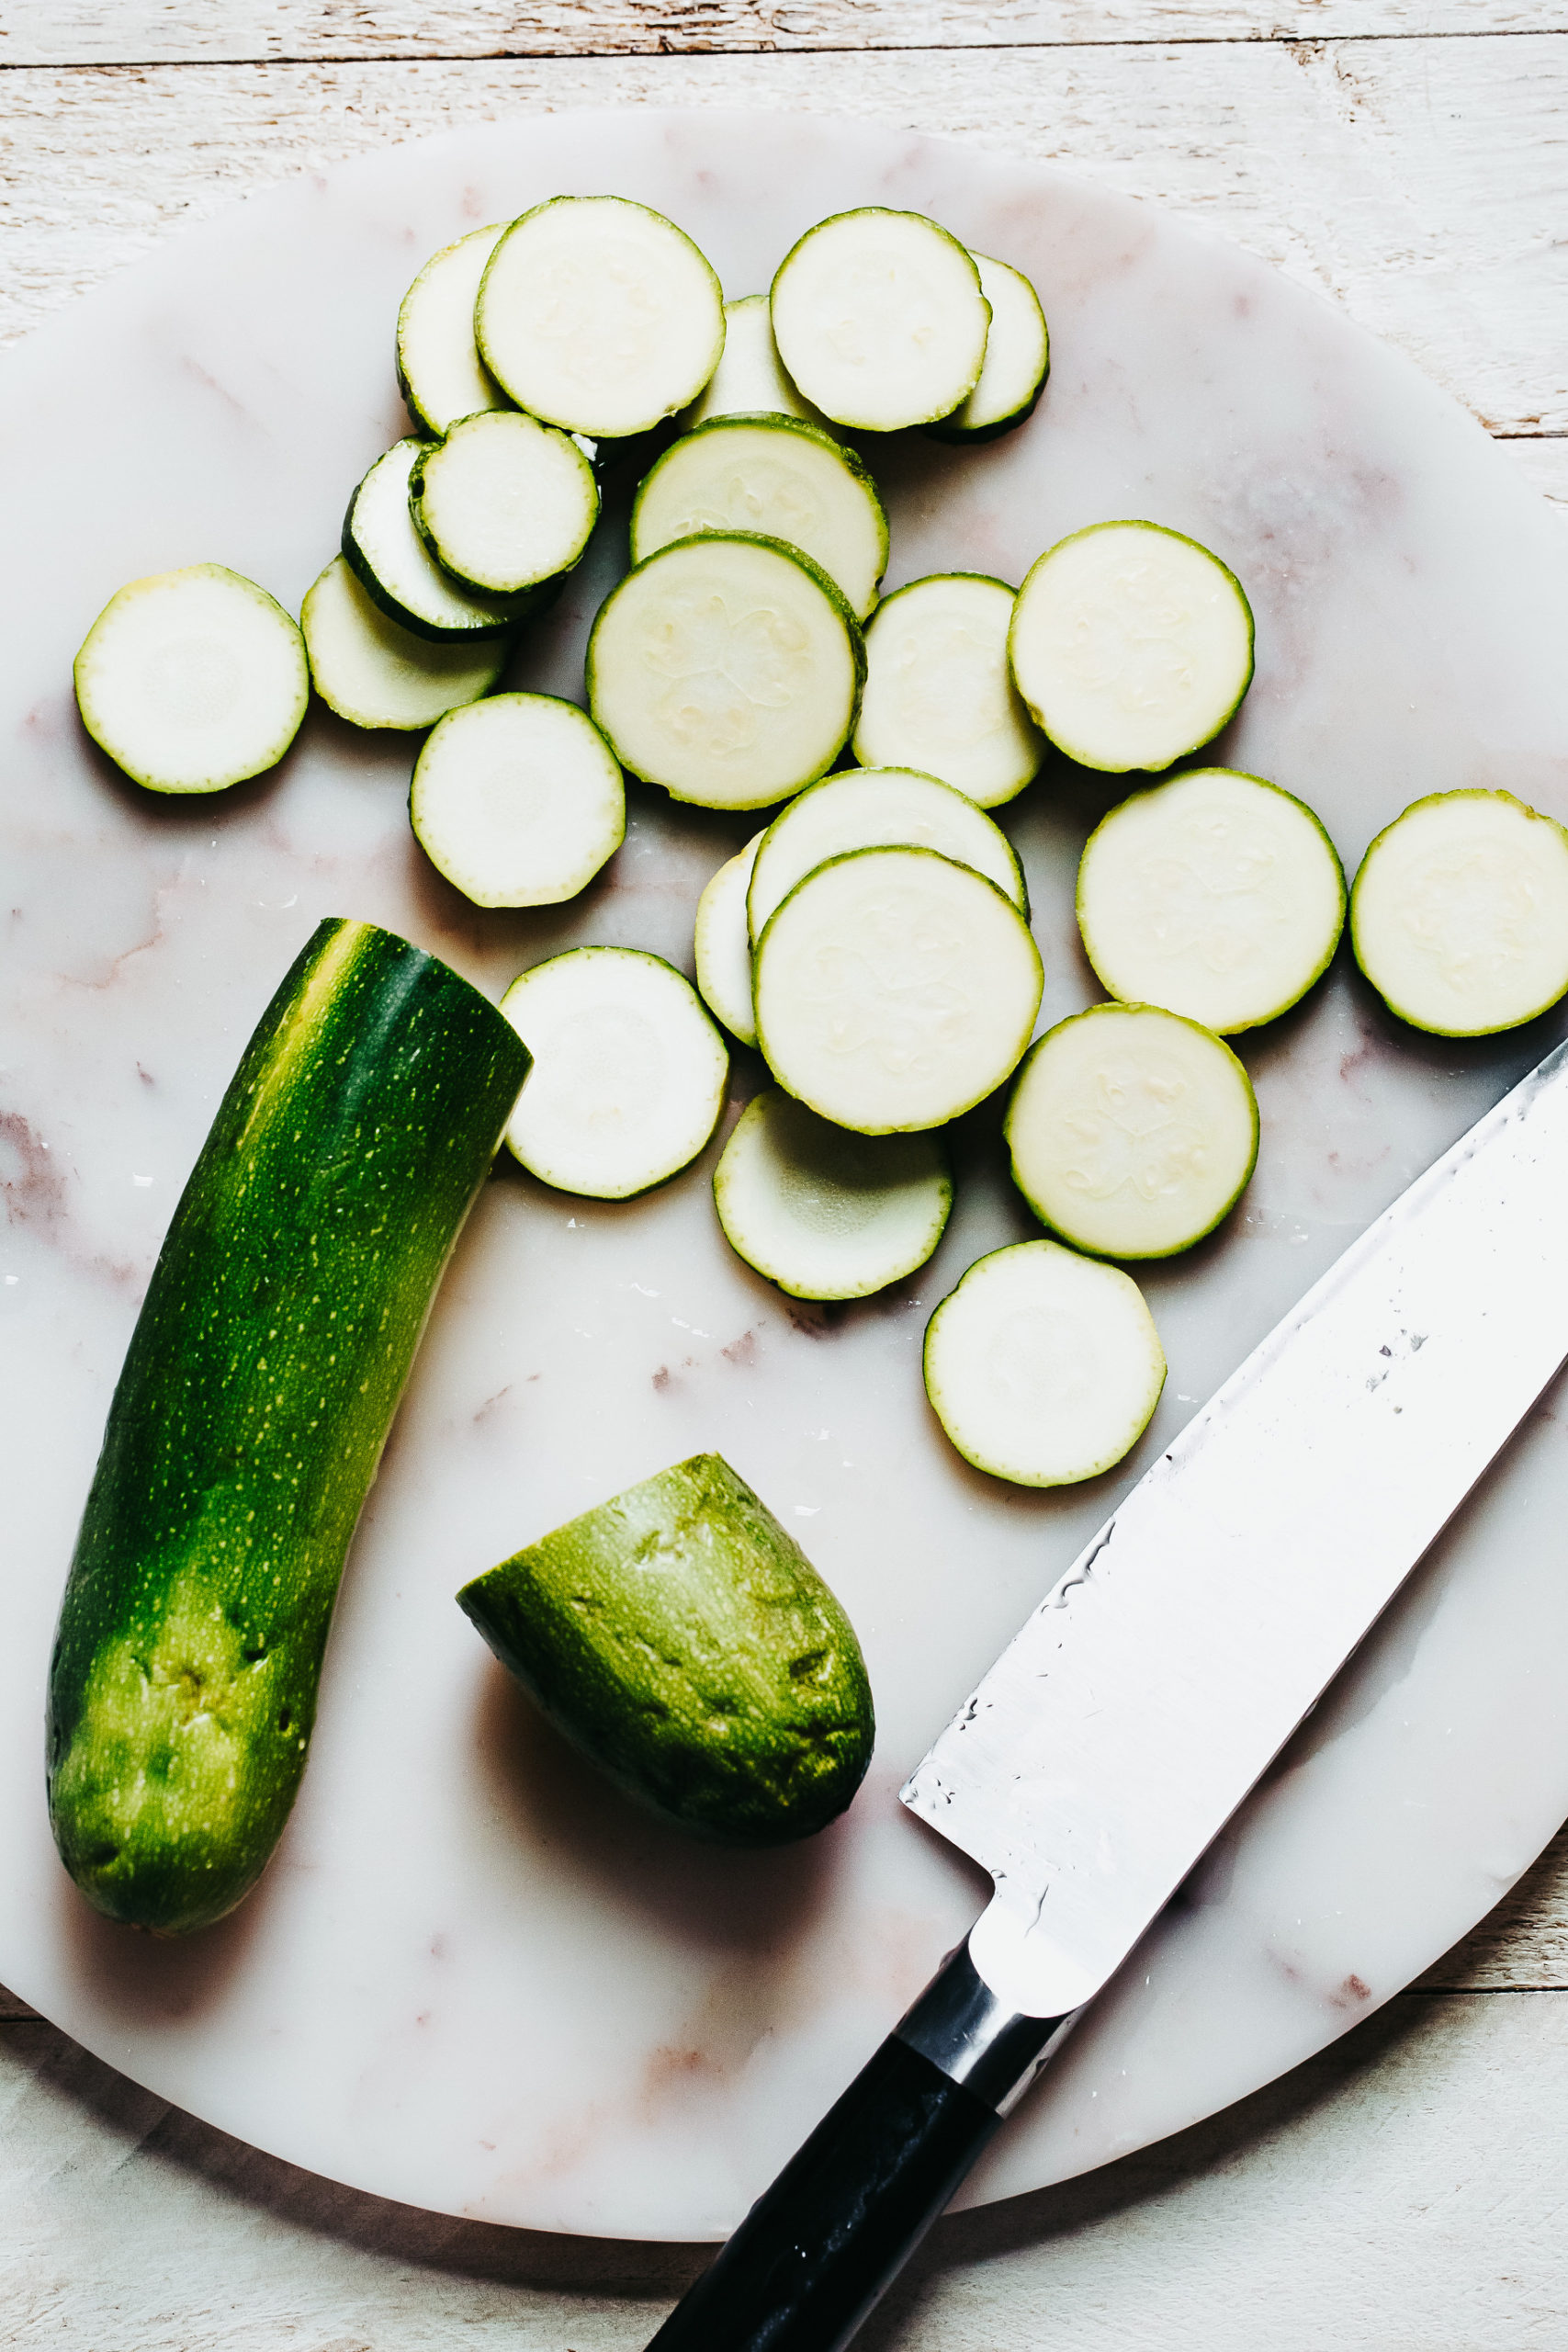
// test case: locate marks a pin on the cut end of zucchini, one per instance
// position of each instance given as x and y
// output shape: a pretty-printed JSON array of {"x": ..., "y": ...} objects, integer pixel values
[
  {"x": 504, "y": 503},
  {"x": 374, "y": 672},
  {"x": 1459, "y": 915},
  {"x": 826, "y": 1215},
  {"x": 599, "y": 315},
  {"x": 397, "y": 570},
  {"x": 1132, "y": 1131},
  {"x": 518, "y": 801},
  {"x": 628, "y": 1075},
  {"x": 1017, "y": 358},
  {"x": 439, "y": 369},
  {"x": 193, "y": 681},
  {"x": 750, "y": 380},
  {"x": 1215, "y": 895},
  {"x": 879, "y": 319},
  {"x": 1043, "y": 1368},
  {"x": 938, "y": 693},
  {"x": 722, "y": 946},
  {"x": 1130, "y": 645}
]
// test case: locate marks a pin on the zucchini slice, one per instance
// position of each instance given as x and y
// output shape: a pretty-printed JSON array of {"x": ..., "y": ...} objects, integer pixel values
[
  {"x": 518, "y": 800},
  {"x": 879, "y": 319},
  {"x": 938, "y": 695},
  {"x": 894, "y": 989},
  {"x": 722, "y": 946},
  {"x": 503, "y": 503},
  {"x": 599, "y": 315},
  {"x": 826, "y": 1214},
  {"x": 1216, "y": 895},
  {"x": 1132, "y": 646},
  {"x": 260, "y": 1380},
  {"x": 750, "y": 380},
  {"x": 1459, "y": 915},
  {"x": 374, "y": 672},
  {"x": 440, "y": 373},
  {"x": 1018, "y": 360},
  {"x": 192, "y": 681},
  {"x": 777, "y": 476},
  {"x": 1043, "y": 1368},
  {"x": 397, "y": 570},
  {"x": 682, "y": 1641},
  {"x": 628, "y": 1075},
  {"x": 877, "y": 808},
  {"x": 727, "y": 669},
  {"x": 1132, "y": 1131}
]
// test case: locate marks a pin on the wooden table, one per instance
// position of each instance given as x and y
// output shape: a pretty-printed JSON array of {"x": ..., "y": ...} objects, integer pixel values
[{"x": 1405, "y": 2192}]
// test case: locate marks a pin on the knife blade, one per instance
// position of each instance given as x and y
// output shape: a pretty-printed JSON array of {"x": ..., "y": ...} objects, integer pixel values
[{"x": 1108, "y": 1746}]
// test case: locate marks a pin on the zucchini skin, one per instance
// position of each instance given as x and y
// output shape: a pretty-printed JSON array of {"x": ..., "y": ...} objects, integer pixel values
[
  {"x": 260, "y": 1380},
  {"x": 681, "y": 1639}
]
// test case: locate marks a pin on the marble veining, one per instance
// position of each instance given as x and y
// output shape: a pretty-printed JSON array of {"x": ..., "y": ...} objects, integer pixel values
[{"x": 474, "y": 1978}]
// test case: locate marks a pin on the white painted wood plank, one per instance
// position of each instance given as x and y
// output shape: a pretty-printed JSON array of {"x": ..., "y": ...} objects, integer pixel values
[
  {"x": 1421, "y": 184},
  {"x": 107, "y": 32}
]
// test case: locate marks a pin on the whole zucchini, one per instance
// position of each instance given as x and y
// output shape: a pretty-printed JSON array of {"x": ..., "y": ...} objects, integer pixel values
[
  {"x": 261, "y": 1381},
  {"x": 680, "y": 1637}
]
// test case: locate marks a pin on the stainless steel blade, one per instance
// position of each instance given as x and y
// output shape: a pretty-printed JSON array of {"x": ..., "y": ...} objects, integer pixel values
[{"x": 1121, "y": 1728}]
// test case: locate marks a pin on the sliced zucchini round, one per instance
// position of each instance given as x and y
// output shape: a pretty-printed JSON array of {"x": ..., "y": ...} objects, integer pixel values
[
  {"x": 374, "y": 672},
  {"x": 440, "y": 372},
  {"x": 938, "y": 695},
  {"x": 1018, "y": 360},
  {"x": 628, "y": 1075},
  {"x": 750, "y": 380},
  {"x": 727, "y": 669},
  {"x": 722, "y": 946},
  {"x": 1216, "y": 895},
  {"x": 518, "y": 800},
  {"x": 1132, "y": 646},
  {"x": 192, "y": 681},
  {"x": 775, "y": 475},
  {"x": 894, "y": 989},
  {"x": 599, "y": 315},
  {"x": 877, "y": 809},
  {"x": 1132, "y": 1131},
  {"x": 395, "y": 567},
  {"x": 826, "y": 1214},
  {"x": 503, "y": 501},
  {"x": 1043, "y": 1367},
  {"x": 879, "y": 319},
  {"x": 1459, "y": 915}
]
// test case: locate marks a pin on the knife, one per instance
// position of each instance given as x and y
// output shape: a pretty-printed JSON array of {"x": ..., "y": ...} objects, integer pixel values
[{"x": 1122, "y": 1727}]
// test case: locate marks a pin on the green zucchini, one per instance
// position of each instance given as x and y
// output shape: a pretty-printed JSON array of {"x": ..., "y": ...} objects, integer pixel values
[
  {"x": 261, "y": 1381},
  {"x": 681, "y": 1638}
]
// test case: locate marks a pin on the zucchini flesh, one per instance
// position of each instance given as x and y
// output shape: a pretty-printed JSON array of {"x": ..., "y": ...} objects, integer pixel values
[
  {"x": 721, "y": 946},
  {"x": 439, "y": 369},
  {"x": 826, "y": 1214},
  {"x": 938, "y": 695},
  {"x": 879, "y": 318},
  {"x": 260, "y": 1380},
  {"x": 397, "y": 570},
  {"x": 877, "y": 808},
  {"x": 504, "y": 503},
  {"x": 1018, "y": 358},
  {"x": 518, "y": 801},
  {"x": 374, "y": 672},
  {"x": 750, "y": 380}
]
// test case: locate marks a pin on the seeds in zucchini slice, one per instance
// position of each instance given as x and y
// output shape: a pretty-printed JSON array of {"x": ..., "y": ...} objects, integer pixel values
[
  {"x": 1043, "y": 1367},
  {"x": 938, "y": 693},
  {"x": 681, "y": 1639},
  {"x": 439, "y": 370},
  {"x": 894, "y": 989},
  {"x": 722, "y": 946},
  {"x": 777, "y": 476},
  {"x": 877, "y": 808},
  {"x": 504, "y": 502},
  {"x": 1017, "y": 358},
  {"x": 599, "y": 315},
  {"x": 518, "y": 800},
  {"x": 628, "y": 1075},
  {"x": 726, "y": 668},
  {"x": 192, "y": 681},
  {"x": 826, "y": 1214},
  {"x": 374, "y": 672},
  {"x": 1130, "y": 645},
  {"x": 750, "y": 380},
  {"x": 1132, "y": 1131},
  {"x": 879, "y": 318},
  {"x": 1216, "y": 895},
  {"x": 394, "y": 566},
  {"x": 1459, "y": 915}
]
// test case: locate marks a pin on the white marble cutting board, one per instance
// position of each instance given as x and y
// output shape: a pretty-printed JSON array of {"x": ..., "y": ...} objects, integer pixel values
[{"x": 475, "y": 1979}]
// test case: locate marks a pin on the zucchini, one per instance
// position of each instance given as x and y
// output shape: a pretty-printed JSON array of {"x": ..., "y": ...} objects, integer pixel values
[
  {"x": 503, "y": 503},
  {"x": 826, "y": 1214},
  {"x": 681, "y": 1639},
  {"x": 879, "y": 319},
  {"x": 261, "y": 1381},
  {"x": 517, "y": 800},
  {"x": 1018, "y": 360},
  {"x": 440, "y": 372},
  {"x": 938, "y": 695},
  {"x": 375, "y": 672},
  {"x": 721, "y": 945},
  {"x": 750, "y": 380},
  {"x": 397, "y": 572}
]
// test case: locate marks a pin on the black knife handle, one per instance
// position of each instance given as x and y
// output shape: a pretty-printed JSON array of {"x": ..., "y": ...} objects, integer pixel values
[{"x": 820, "y": 2245}]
